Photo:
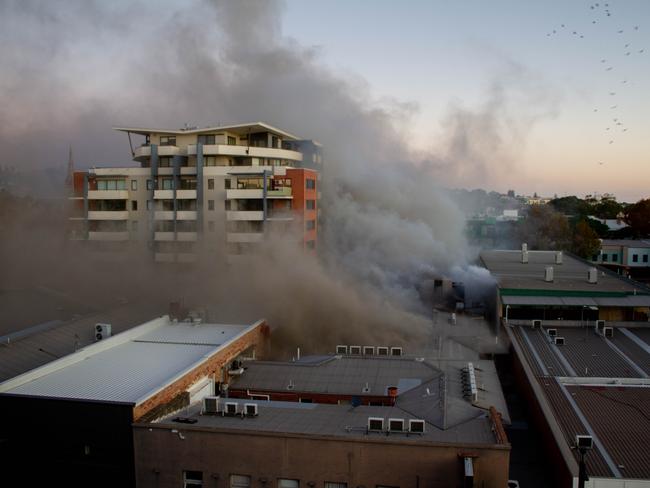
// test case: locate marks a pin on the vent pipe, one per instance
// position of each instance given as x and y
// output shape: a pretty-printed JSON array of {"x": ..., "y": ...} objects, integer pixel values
[
  {"x": 524, "y": 257},
  {"x": 558, "y": 257},
  {"x": 548, "y": 273},
  {"x": 592, "y": 275},
  {"x": 524, "y": 247}
]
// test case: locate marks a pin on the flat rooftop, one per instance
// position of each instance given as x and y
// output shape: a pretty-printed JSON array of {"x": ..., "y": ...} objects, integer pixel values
[
  {"x": 240, "y": 129},
  {"x": 595, "y": 386},
  {"x": 638, "y": 243},
  {"x": 569, "y": 278},
  {"x": 128, "y": 367}
]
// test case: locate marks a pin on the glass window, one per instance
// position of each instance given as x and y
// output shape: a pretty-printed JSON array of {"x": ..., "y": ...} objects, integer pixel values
[
  {"x": 232, "y": 141},
  {"x": 210, "y": 204},
  {"x": 134, "y": 205},
  {"x": 311, "y": 224},
  {"x": 149, "y": 184},
  {"x": 134, "y": 185},
  {"x": 192, "y": 479},
  {"x": 614, "y": 257},
  {"x": 211, "y": 184},
  {"x": 285, "y": 483},
  {"x": 167, "y": 184},
  {"x": 111, "y": 185},
  {"x": 604, "y": 258},
  {"x": 101, "y": 185},
  {"x": 167, "y": 140},
  {"x": 334, "y": 484},
  {"x": 227, "y": 184},
  {"x": 209, "y": 161},
  {"x": 164, "y": 161},
  {"x": 227, "y": 204},
  {"x": 311, "y": 184},
  {"x": 645, "y": 258},
  {"x": 635, "y": 258},
  {"x": 121, "y": 184},
  {"x": 206, "y": 139},
  {"x": 240, "y": 481},
  {"x": 311, "y": 204},
  {"x": 149, "y": 204}
]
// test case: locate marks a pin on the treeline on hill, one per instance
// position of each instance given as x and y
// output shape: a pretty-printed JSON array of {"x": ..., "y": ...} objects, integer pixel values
[{"x": 567, "y": 223}]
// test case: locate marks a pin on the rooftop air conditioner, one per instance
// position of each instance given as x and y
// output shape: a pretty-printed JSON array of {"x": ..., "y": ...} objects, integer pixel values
[
  {"x": 584, "y": 442},
  {"x": 551, "y": 332},
  {"x": 375, "y": 424},
  {"x": 416, "y": 426},
  {"x": 558, "y": 257},
  {"x": 592, "y": 275},
  {"x": 250, "y": 409},
  {"x": 608, "y": 331},
  {"x": 368, "y": 350},
  {"x": 395, "y": 425},
  {"x": 536, "y": 323},
  {"x": 102, "y": 331},
  {"x": 559, "y": 341},
  {"x": 524, "y": 257},
  {"x": 210, "y": 405},
  {"x": 230, "y": 408},
  {"x": 382, "y": 351},
  {"x": 341, "y": 350},
  {"x": 395, "y": 351},
  {"x": 600, "y": 324},
  {"x": 355, "y": 350},
  {"x": 548, "y": 274}
]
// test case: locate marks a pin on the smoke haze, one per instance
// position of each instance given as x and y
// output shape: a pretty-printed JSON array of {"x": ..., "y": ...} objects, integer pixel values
[{"x": 72, "y": 71}]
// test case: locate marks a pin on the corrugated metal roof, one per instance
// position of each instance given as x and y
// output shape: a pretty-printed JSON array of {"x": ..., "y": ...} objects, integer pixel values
[{"x": 628, "y": 301}]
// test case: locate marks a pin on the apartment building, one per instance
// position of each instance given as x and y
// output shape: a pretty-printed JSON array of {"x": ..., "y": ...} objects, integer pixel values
[{"x": 218, "y": 190}]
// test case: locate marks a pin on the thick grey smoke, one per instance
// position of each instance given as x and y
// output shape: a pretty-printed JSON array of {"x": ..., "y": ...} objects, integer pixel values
[{"x": 71, "y": 71}]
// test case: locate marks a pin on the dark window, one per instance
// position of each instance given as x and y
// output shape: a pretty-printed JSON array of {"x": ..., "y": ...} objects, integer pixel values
[
  {"x": 635, "y": 258},
  {"x": 232, "y": 141},
  {"x": 311, "y": 184},
  {"x": 226, "y": 184},
  {"x": 227, "y": 204},
  {"x": 275, "y": 141},
  {"x": 149, "y": 204},
  {"x": 134, "y": 204},
  {"x": 210, "y": 204},
  {"x": 311, "y": 224},
  {"x": 645, "y": 258},
  {"x": 167, "y": 140},
  {"x": 149, "y": 184},
  {"x": 211, "y": 184},
  {"x": 134, "y": 185},
  {"x": 192, "y": 479},
  {"x": 311, "y": 204},
  {"x": 167, "y": 184},
  {"x": 164, "y": 162},
  {"x": 206, "y": 139},
  {"x": 614, "y": 258},
  {"x": 604, "y": 258}
]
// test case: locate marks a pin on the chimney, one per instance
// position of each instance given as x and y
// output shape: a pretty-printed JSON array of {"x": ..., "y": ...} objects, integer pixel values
[
  {"x": 524, "y": 247},
  {"x": 558, "y": 257},
  {"x": 548, "y": 274},
  {"x": 592, "y": 275},
  {"x": 524, "y": 257},
  {"x": 392, "y": 394}
]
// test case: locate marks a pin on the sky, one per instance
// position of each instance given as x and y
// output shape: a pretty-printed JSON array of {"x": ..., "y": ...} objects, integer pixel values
[
  {"x": 448, "y": 54},
  {"x": 501, "y": 93}
]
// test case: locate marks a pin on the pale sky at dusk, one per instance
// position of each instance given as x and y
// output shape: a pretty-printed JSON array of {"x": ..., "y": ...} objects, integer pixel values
[{"x": 485, "y": 84}]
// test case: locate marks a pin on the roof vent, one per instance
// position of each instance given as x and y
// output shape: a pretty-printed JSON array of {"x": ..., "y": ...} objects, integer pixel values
[
  {"x": 382, "y": 351},
  {"x": 341, "y": 349},
  {"x": 290, "y": 386},
  {"x": 536, "y": 323},
  {"x": 558, "y": 257},
  {"x": 355, "y": 350},
  {"x": 395, "y": 351},
  {"x": 375, "y": 424},
  {"x": 368, "y": 350},
  {"x": 524, "y": 247},
  {"x": 524, "y": 257},
  {"x": 592, "y": 275},
  {"x": 210, "y": 405},
  {"x": 250, "y": 409},
  {"x": 395, "y": 425},
  {"x": 608, "y": 331},
  {"x": 551, "y": 332},
  {"x": 548, "y": 274},
  {"x": 366, "y": 388},
  {"x": 416, "y": 426},
  {"x": 559, "y": 341}
]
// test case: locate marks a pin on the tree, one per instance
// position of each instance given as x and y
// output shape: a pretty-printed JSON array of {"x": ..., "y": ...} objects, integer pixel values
[
  {"x": 545, "y": 229},
  {"x": 607, "y": 209},
  {"x": 585, "y": 240},
  {"x": 571, "y": 206},
  {"x": 637, "y": 216}
]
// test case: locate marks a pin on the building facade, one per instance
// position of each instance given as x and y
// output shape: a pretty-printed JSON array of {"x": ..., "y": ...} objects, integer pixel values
[
  {"x": 218, "y": 191},
  {"x": 628, "y": 257}
]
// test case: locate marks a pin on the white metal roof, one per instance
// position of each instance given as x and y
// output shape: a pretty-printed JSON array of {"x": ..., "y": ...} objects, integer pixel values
[
  {"x": 238, "y": 129},
  {"x": 128, "y": 367}
]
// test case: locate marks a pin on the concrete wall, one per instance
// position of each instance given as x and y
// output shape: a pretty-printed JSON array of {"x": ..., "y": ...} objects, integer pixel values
[{"x": 162, "y": 456}]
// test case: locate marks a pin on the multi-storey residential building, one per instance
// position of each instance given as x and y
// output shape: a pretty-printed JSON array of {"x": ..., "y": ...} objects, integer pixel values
[{"x": 203, "y": 190}]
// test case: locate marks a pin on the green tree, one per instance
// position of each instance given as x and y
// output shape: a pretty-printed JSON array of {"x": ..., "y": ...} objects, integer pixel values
[
  {"x": 637, "y": 216},
  {"x": 585, "y": 242},
  {"x": 607, "y": 209},
  {"x": 545, "y": 229},
  {"x": 571, "y": 206}
]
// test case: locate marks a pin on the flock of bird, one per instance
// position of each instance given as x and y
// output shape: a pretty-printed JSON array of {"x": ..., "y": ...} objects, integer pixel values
[{"x": 603, "y": 15}]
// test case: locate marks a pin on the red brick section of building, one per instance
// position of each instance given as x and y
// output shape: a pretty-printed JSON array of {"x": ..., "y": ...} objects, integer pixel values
[
  {"x": 212, "y": 367},
  {"x": 304, "y": 188}
]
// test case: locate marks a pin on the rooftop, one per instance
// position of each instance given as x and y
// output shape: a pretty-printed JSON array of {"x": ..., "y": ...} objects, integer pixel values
[
  {"x": 239, "y": 129},
  {"x": 128, "y": 367},
  {"x": 569, "y": 278},
  {"x": 640, "y": 243}
]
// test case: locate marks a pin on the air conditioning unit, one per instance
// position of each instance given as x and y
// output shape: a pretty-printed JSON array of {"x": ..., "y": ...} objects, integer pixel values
[
  {"x": 368, "y": 350},
  {"x": 102, "y": 331},
  {"x": 395, "y": 351},
  {"x": 536, "y": 323},
  {"x": 559, "y": 341},
  {"x": 375, "y": 424},
  {"x": 250, "y": 409},
  {"x": 600, "y": 324},
  {"x": 608, "y": 331},
  {"x": 395, "y": 425},
  {"x": 584, "y": 442},
  {"x": 382, "y": 351},
  {"x": 230, "y": 408},
  {"x": 210, "y": 405},
  {"x": 341, "y": 350},
  {"x": 416, "y": 426},
  {"x": 355, "y": 350},
  {"x": 551, "y": 332}
]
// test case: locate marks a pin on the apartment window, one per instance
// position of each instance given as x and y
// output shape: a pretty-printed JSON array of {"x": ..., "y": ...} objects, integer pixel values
[
  {"x": 227, "y": 204},
  {"x": 111, "y": 184},
  {"x": 286, "y": 483},
  {"x": 604, "y": 258},
  {"x": 134, "y": 205},
  {"x": 134, "y": 225},
  {"x": 311, "y": 184},
  {"x": 134, "y": 185},
  {"x": 167, "y": 184},
  {"x": 164, "y": 161},
  {"x": 211, "y": 226},
  {"x": 227, "y": 184},
  {"x": 206, "y": 139},
  {"x": 335, "y": 484},
  {"x": 635, "y": 258},
  {"x": 167, "y": 140},
  {"x": 210, "y": 204},
  {"x": 240, "y": 481},
  {"x": 211, "y": 184},
  {"x": 311, "y": 224},
  {"x": 645, "y": 258},
  {"x": 614, "y": 258},
  {"x": 149, "y": 184},
  {"x": 209, "y": 161},
  {"x": 149, "y": 204},
  {"x": 192, "y": 479},
  {"x": 232, "y": 141},
  {"x": 311, "y": 244},
  {"x": 311, "y": 204},
  {"x": 275, "y": 142}
]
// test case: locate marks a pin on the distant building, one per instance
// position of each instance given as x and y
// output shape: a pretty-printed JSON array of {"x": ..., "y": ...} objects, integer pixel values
[
  {"x": 212, "y": 191},
  {"x": 627, "y": 257},
  {"x": 76, "y": 413},
  {"x": 612, "y": 224},
  {"x": 336, "y": 421}
]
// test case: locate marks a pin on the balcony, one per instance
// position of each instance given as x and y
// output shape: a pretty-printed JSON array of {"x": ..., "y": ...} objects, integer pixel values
[
  {"x": 142, "y": 152},
  {"x": 163, "y": 194},
  {"x": 244, "y": 215},
  {"x": 251, "y": 151},
  {"x": 245, "y": 237},
  {"x": 187, "y": 236},
  {"x": 164, "y": 215},
  {"x": 169, "y": 151},
  {"x": 284, "y": 192},
  {"x": 108, "y": 215},
  {"x": 108, "y": 195},
  {"x": 186, "y": 194},
  {"x": 163, "y": 236},
  {"x": 186, "y": 215},
  {"x": 235, "y": 194},
  {"x": 108, "y": 236}
]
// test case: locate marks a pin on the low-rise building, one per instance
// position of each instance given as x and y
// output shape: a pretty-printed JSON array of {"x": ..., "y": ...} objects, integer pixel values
[{"x": 628, "y": 257}]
